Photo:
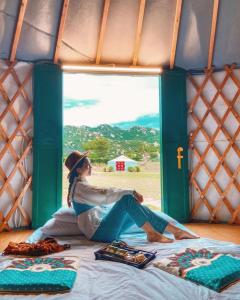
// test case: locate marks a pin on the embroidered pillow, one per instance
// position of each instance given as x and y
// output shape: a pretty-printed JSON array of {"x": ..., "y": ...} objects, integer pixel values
[
  {"x": 55, "y": 227},
  {"x": 39, "y": 274},
  {"x": 65, "y": 214},
  {"x": 212, "y": 270}
]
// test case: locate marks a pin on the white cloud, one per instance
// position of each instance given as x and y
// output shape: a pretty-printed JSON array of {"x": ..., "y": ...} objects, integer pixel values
[{"x": 121, "y": 98}]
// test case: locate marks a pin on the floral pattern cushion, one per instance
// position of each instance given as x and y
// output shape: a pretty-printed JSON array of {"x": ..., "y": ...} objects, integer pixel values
[
  {"x": 212, "y": 270},
  {"x": 39, "y": 274}
]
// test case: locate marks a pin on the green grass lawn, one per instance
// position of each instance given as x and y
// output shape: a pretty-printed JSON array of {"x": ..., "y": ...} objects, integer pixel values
[{"x": 146, "y": 182}]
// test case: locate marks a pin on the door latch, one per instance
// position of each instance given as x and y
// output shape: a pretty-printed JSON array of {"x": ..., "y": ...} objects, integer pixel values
[{"x": 179, "y": 157}]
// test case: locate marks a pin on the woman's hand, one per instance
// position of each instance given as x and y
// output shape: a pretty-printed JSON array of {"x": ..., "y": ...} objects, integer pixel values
[{"x": 138, "y": 197}]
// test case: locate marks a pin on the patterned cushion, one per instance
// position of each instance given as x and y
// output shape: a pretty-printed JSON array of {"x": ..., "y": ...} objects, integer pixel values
[
  {"x": 37, "y": 275},
  {"x": 65, "y": 214},
  {"x": 57, "y": 228},
  {"x": 212, "y": 270}
]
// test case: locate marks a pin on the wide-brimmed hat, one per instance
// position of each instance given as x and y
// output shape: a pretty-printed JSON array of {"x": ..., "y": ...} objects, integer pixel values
[{"x": 74, "y": 158}]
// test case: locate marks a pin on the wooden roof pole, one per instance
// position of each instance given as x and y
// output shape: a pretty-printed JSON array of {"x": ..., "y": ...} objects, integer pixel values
[
  {"x": 102, "y": 30},
  {"x": 18, "y": 29},
  {"x": 60, "y": 30},
  {"x": 139, "y": 31},
  {"x": 176, "y": 25},
  {"x": 213, "y": 33}
]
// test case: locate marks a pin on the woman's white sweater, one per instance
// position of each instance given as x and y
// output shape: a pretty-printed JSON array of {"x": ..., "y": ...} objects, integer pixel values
[{"x": 99, "y": 198}]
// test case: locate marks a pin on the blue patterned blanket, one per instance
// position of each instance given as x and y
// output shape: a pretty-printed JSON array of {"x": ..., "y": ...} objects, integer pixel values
[
  {"x": 38, "y": 274},
  {"x": 213, "y": 270}
]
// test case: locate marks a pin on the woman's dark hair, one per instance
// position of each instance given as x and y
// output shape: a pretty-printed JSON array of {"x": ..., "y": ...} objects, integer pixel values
[{"x": 75, "y": 174}]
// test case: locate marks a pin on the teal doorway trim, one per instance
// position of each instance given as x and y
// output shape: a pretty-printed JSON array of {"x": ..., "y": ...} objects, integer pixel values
[
  {"x": 47, "y": 142},
  {"x": 48, "y": 139},
  {"x": 173, "y": 135}
]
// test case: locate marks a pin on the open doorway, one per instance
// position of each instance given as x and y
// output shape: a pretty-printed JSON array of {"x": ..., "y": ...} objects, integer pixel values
[{"x": 116, "y": 118}]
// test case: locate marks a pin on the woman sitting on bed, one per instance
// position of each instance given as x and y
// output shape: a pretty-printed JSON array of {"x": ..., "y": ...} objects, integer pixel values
[{"x": 105, "y": 223}]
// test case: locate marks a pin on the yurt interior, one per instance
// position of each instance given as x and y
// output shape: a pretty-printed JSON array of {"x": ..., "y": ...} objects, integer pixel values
[{"x": 105, "y": 243}]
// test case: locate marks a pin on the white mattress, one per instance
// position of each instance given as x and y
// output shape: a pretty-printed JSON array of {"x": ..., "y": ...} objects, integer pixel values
[{"x": 109, "y": 280}]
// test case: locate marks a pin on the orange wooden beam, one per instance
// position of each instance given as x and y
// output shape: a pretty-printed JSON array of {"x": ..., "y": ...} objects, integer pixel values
[
  {"x": 176, "y": 25},
  {"x": 213, "y": 33},
  {"x": 16, "y": 37},
  {"x": 102, "y": 30},
  {"x": 139, "y": 31},
  {"x": 61, "y": 30}
]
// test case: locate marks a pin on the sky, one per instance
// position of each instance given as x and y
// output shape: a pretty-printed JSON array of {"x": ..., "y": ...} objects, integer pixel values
[{"x": 106, "y": 99}]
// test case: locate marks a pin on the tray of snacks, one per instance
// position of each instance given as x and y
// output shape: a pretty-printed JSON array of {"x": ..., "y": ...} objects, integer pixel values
[{"x": 119, "y": 251}]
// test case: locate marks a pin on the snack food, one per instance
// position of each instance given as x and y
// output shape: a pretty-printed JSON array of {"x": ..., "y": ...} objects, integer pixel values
[
  {"x": 139, "y": 258},
  {"x": 120, "y": 252},
  {"x": 115, "y": 250}
]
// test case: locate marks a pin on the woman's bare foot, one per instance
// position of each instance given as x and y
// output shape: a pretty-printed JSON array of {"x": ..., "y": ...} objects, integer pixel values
[
  {"x": 158, "y": 237},
  {"x": 154, "y": 236},
  {"x": 181, "y": 234}
]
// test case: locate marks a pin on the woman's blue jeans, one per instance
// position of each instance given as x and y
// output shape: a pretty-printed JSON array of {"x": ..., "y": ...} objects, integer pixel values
[{"x": 125, "y": 213}]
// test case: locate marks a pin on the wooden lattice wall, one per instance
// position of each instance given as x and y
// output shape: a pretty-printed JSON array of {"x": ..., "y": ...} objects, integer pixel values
[
  {"x": 214, "y": 145},
  {"x": 15, "y": 144}
]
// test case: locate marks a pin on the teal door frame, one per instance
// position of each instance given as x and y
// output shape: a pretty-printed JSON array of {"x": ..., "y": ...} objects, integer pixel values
[
  {"x": 47, "y": 142},
  {"x": 48, "y": 139},
  {"x": 173, "y": 134}
]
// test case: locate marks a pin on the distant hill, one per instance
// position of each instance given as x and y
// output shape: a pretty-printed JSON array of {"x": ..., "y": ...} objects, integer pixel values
[
  {"x": 150, "y": 121},
  {"x": 136, "y": 139}
]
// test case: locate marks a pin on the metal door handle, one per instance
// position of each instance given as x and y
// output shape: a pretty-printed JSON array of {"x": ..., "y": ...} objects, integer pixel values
[{"x": 179, "y": 157}]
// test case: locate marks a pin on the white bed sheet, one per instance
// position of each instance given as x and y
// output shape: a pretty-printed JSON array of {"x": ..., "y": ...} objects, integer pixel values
[{"x": 103, "y": 280}]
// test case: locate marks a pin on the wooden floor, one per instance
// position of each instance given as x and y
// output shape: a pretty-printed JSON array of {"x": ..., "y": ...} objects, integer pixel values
[
  {"x": 13, "y": 236},
  {"x": 222, "y": 232}
]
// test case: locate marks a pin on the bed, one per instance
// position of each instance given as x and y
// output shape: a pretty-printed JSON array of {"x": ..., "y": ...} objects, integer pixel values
[{"x": 109, "y": 280}]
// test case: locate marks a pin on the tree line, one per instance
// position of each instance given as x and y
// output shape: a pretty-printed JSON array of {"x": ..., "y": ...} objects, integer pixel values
[{"x": 103, "y": 149}]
